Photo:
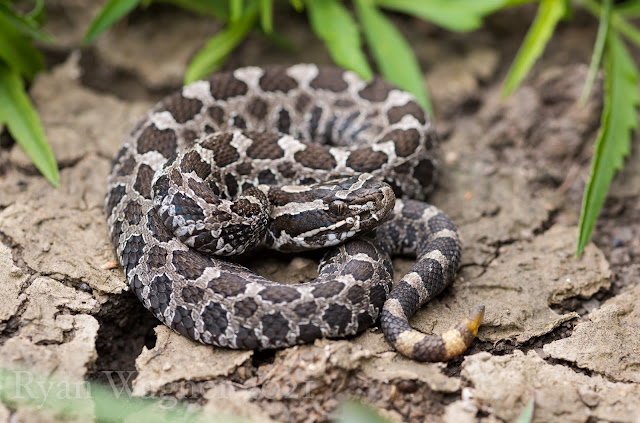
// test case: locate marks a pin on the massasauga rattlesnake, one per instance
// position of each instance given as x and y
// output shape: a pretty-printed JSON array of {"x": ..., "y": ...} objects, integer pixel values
[{"x": 196, "y": 180}]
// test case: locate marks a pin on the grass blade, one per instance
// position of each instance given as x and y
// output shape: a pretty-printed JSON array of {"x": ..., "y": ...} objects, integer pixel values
[
  {"x": 213, "y": 54},
  {"x": 454, "y": 15},
  {"x": 547, "y": 17},
  {"x": 354, "y": 412},
  {"x": 511, "y": 3},
  {"x": 17, "y": 52},
  {"x": 217, "y": 8},
  {"x": 527, "y": 413},
  {"x": 619, "y": 118},
  {"x": 266, "y": 16},
  {"x": 297, "y": 4},
  {"x": 281, "y": 41},
  {"x": 37, "y": 13},
  {"x": 236, "y": 7},
  {"x": 617, "y": 21},
  {"x": 598, "y": 49},
  {"x": 24, "y": 24},
  {"x": 17, "y": 112},
  {"x": 331, "y": 22},
  {"x": 629, "y": 31},
  {"x": 392, "y": 52},
  {"x": 629, "y": 9},
  {"x": 108, "y": 15}
]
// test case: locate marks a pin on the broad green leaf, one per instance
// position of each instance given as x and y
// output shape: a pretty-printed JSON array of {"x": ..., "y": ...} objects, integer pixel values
[
  {"x": 213, "y": 54},
  {"x": 236, "y": 7},
  {"x": 217, "y": 8},
  {"x": 619, "y": 119},
  {"x": 598, "y": 49},
  {"x": 266, "y": 15},
  {"x": 17, "y": 52},
  {"x": 548, "y": 15},
  {"x": 108, "y": 15},
  {"x": 455, "y": 15},
  {"x": 353, "y": 412},
  {"x": 18, "y": 114},
  {"x": 331, "y": 21},
  {"x": 392, "y": 52},
  {"x": 25, "y": 24},
  {"x": 527, "y": 413}
]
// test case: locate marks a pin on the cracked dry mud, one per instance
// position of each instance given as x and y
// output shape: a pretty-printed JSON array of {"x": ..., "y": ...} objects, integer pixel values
[{"x": 561, "y": 327}]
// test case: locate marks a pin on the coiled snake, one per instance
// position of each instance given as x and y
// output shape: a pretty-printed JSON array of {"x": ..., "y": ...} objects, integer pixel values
[{"x": 293, "y": 158}]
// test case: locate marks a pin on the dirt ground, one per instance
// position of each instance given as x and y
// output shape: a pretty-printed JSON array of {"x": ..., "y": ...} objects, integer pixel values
[{"x": 560, "y": 327}]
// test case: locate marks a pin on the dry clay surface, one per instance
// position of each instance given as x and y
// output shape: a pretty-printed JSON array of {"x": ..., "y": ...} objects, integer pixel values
[{"x": 555, "y": 325}]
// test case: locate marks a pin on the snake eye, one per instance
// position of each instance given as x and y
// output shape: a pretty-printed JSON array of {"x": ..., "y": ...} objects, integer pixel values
[{"x": 338, "y": 207}]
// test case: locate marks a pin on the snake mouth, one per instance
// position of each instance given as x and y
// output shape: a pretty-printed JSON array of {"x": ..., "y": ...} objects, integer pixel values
[
  {"x": 377, "y": 208},
  {"x": 387, "y": 203}
]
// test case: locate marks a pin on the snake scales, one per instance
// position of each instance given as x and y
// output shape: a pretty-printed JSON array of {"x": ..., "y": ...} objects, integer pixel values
[{"x": 292, "y": 158}]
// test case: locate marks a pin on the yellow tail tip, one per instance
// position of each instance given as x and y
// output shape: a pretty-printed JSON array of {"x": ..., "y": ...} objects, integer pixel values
[{"x": 475, "y": 318}]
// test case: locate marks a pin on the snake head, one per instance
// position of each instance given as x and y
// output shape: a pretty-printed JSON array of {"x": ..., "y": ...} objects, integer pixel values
[{"x": 324, "y": 214}]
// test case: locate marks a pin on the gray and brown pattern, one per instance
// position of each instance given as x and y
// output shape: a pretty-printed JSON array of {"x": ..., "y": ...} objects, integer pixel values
[{"x": 292, "y": 158}]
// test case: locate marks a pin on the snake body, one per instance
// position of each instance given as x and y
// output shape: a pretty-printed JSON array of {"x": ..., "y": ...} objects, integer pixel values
[{"x": 292, "y": 158}]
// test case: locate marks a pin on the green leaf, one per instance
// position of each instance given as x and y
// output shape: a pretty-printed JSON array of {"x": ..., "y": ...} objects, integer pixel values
[
  {"x": 549, "y": 13},
  {"x": 626, "y": 29},
  {"x": 213, "y": 54},
  {"x": 25, "y": 24},
  {"x": 455, "y": 15},
  {"x": 619, "y": 118},
  {"x": 527, "y": 413},
  {"x": 511, "y": 3},
  {"x": 281, "y": 41},
  {"x": 629, "y": 9},
  {"x": 266, "y": 15},
  {"x": 392, "y": 52},
  {"x": 598, "y": 49},
  {"x": 297, "y": 4},
  {"x": 17, "y": 52},
  {"x": 37, "y": 14},
  {"x": 17, "y": 112},
  {"x": 617, "y": 21},
  {"x": 217, "y": 8},
  {"x": 108, "y": 15},
  {"x": 353, "y": 412},
  {"x": 236, "y": 9},
  {"x": 331, "y": 21},
  {"x": 94, "y": 401}
]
